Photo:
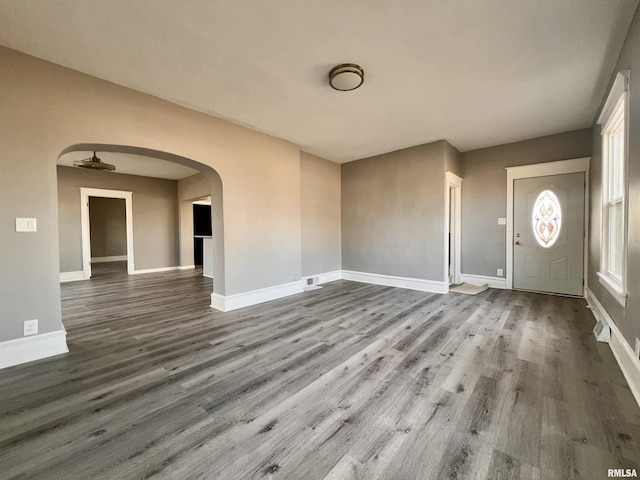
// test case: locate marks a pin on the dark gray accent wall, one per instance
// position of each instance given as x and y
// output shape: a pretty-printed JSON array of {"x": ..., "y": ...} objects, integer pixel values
[
  {"x": 108, "y": 226},
  {"x": 392, "y": 213},
  {"x": 155, "y": 216},
  {"x": 484, "y": 193},
  {"x": 320, "y": 195},
  {"x": 627, "y": 319}
]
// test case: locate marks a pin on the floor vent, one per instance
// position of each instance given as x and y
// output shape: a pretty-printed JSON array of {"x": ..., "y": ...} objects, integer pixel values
[{"x": 602, "y": 332}]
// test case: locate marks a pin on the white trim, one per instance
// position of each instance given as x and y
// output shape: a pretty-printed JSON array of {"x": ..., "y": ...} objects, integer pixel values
[
  {"x": 493, "y": 282},
  {"x": 160, "y": 269},
  {"x": 400, "y": 282},
  {"x": 618, "y": 89},
  {"x": 621, "y": 349},
  {"x": 34, "y": 347},
  {"x": 85, "y": 193},
  {"x": 613, "y": 288},
  {"x": 329, "y": 276},
  {"x": 575, "y": 165},
  {"x": 325, "y": 277},
  {"x": 254, "y": 297},
  {"x": 71, "y": 276},
  {"x": 112, "y": 258},
  {"x": 618, "y": 97},
  {"x": 217, "y": 302},
  {"x": 185, "y": 267},
  {"x": 455, "y": 182}
]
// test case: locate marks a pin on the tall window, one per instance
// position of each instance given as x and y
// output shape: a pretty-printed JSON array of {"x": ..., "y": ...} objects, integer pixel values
[{"x": 614, "y": 122}]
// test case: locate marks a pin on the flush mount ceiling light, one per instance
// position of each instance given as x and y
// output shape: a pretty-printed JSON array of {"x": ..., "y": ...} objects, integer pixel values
[
  {"x": 345, "y": 77},
  {"x": 94, "y": 163}
]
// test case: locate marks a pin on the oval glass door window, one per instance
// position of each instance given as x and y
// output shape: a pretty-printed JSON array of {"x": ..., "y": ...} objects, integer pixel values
[{"x": 546, "y": 219}]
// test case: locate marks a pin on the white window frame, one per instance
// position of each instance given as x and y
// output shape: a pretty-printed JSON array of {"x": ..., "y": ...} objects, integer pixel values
[{"x": 615, "y": 110}]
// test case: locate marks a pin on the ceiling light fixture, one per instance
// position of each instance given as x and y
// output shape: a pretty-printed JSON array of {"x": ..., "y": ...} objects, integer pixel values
[
  {"x": 94, "y": 163},
  {"x": 346, "y": 76}
]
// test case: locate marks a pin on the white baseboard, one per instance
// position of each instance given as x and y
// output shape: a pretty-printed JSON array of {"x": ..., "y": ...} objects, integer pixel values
[
  {"x": 185, "y": 267},
  {"x": 622, "y": 351},
  {"x": 393, "y": 281},
  {"x": 493, "y": 282},
  {"x": 34, "y": 347},
  {"x": 71, "y": 276},
  {"x": 157, "y": 270},
  {"x": 254, "y": 297},
  {"x": 112, "y": 258},
  {"x": 321, "y": 278}
]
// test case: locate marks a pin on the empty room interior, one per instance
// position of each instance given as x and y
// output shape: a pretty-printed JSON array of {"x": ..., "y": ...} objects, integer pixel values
[{"x": 319, "y": 240}]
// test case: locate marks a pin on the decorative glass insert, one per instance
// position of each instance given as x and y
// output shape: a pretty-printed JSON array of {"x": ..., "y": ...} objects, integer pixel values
[{"x": 546, "y": 219}]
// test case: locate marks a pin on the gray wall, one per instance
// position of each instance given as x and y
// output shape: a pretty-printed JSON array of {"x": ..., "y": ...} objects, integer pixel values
[
  {"x": 47, "y": 108},
  {"x": 484, "y": 193},
  {"x": 155, "y": 216},
  {"x": 320, "y": 195},
  {"x": 108, "y": 226},
  {"x": 627, "y": 319},
  {"x": 392, "y": 213},
  {"x": 452, "y": 160}
]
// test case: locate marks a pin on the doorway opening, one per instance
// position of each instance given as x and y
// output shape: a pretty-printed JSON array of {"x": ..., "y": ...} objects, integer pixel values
[
  {"x": 453, "y": 222},
  {"x": 203, "y": 236},
  {"x": 107, "y": 229}
]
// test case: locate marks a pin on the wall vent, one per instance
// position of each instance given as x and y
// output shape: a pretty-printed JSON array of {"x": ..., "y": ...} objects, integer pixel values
[{"x": 311, "y": 283}]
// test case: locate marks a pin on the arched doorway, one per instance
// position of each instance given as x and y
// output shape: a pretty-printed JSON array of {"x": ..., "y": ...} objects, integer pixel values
[{"x": 191, "y": 180}]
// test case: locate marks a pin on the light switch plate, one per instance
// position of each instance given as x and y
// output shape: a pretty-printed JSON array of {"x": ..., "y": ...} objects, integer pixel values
[
  {"x": 26, "y": 225},
  {"x": 30, "y": 327},
  {"x": 502, "y": 221}
]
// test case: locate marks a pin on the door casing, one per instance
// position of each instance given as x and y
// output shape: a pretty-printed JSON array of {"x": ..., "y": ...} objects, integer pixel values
[
  {"x": 85, "y": 193},
  {"x": 574, "y": 165}
]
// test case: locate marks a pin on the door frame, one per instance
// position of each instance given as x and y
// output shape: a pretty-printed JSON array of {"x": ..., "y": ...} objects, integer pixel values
[
  {"x": 574, "y": 165},
  {"x": 85, "y": 223},
  {"x": 452, "y": 181}
]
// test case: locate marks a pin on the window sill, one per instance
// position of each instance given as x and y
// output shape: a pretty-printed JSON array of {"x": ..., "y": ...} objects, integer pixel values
[{"x": 614, "y": 288}]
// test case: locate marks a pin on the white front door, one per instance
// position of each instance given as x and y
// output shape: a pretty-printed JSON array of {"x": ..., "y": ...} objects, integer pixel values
[{"x": 548, "y": 233}]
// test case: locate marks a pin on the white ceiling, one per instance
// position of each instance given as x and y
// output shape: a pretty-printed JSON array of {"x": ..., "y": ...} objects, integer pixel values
[
  {"x": 477, "y": 73},
  {"x": 133, "y": 164}
]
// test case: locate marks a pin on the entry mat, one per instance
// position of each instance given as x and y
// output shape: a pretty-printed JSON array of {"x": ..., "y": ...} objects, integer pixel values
[{"x": 469, "y": 289}]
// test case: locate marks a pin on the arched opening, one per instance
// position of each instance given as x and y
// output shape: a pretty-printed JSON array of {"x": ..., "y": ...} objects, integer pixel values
[{"x": 157, "y": 190}]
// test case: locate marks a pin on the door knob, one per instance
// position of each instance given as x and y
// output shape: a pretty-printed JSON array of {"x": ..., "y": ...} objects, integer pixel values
[{"x": 517, "y": 242}]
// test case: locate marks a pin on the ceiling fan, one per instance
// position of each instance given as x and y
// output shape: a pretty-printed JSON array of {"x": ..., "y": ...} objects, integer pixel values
[{"x": 94, "y": 163}]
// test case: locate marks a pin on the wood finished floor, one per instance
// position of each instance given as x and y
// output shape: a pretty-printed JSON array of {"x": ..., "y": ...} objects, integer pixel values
[{"x": 352, "y": 381}]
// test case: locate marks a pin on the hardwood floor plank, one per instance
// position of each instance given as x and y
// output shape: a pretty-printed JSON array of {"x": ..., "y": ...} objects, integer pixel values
[{"x": 351, "y": 381}]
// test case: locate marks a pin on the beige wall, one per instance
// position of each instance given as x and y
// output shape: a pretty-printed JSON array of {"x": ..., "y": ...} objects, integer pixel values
[
  {"x": 628, "y": 318},
  {"x": 484, "y": 193},
  {"x": 46, "y": 108},
  {"x": 108, "y": 226},
  {"x": 320, "y": 205},
  {"x": 392, "y": 213},
  {"x": 155, "y": 216},
  {"x": 452, "y": 160}
]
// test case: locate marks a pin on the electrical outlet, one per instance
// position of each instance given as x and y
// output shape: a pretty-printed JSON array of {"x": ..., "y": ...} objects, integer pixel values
[
  {"x": 499, "y": 272},
  {"x": 30, "y": 327},
  {"x": 638, "y": 348}
]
